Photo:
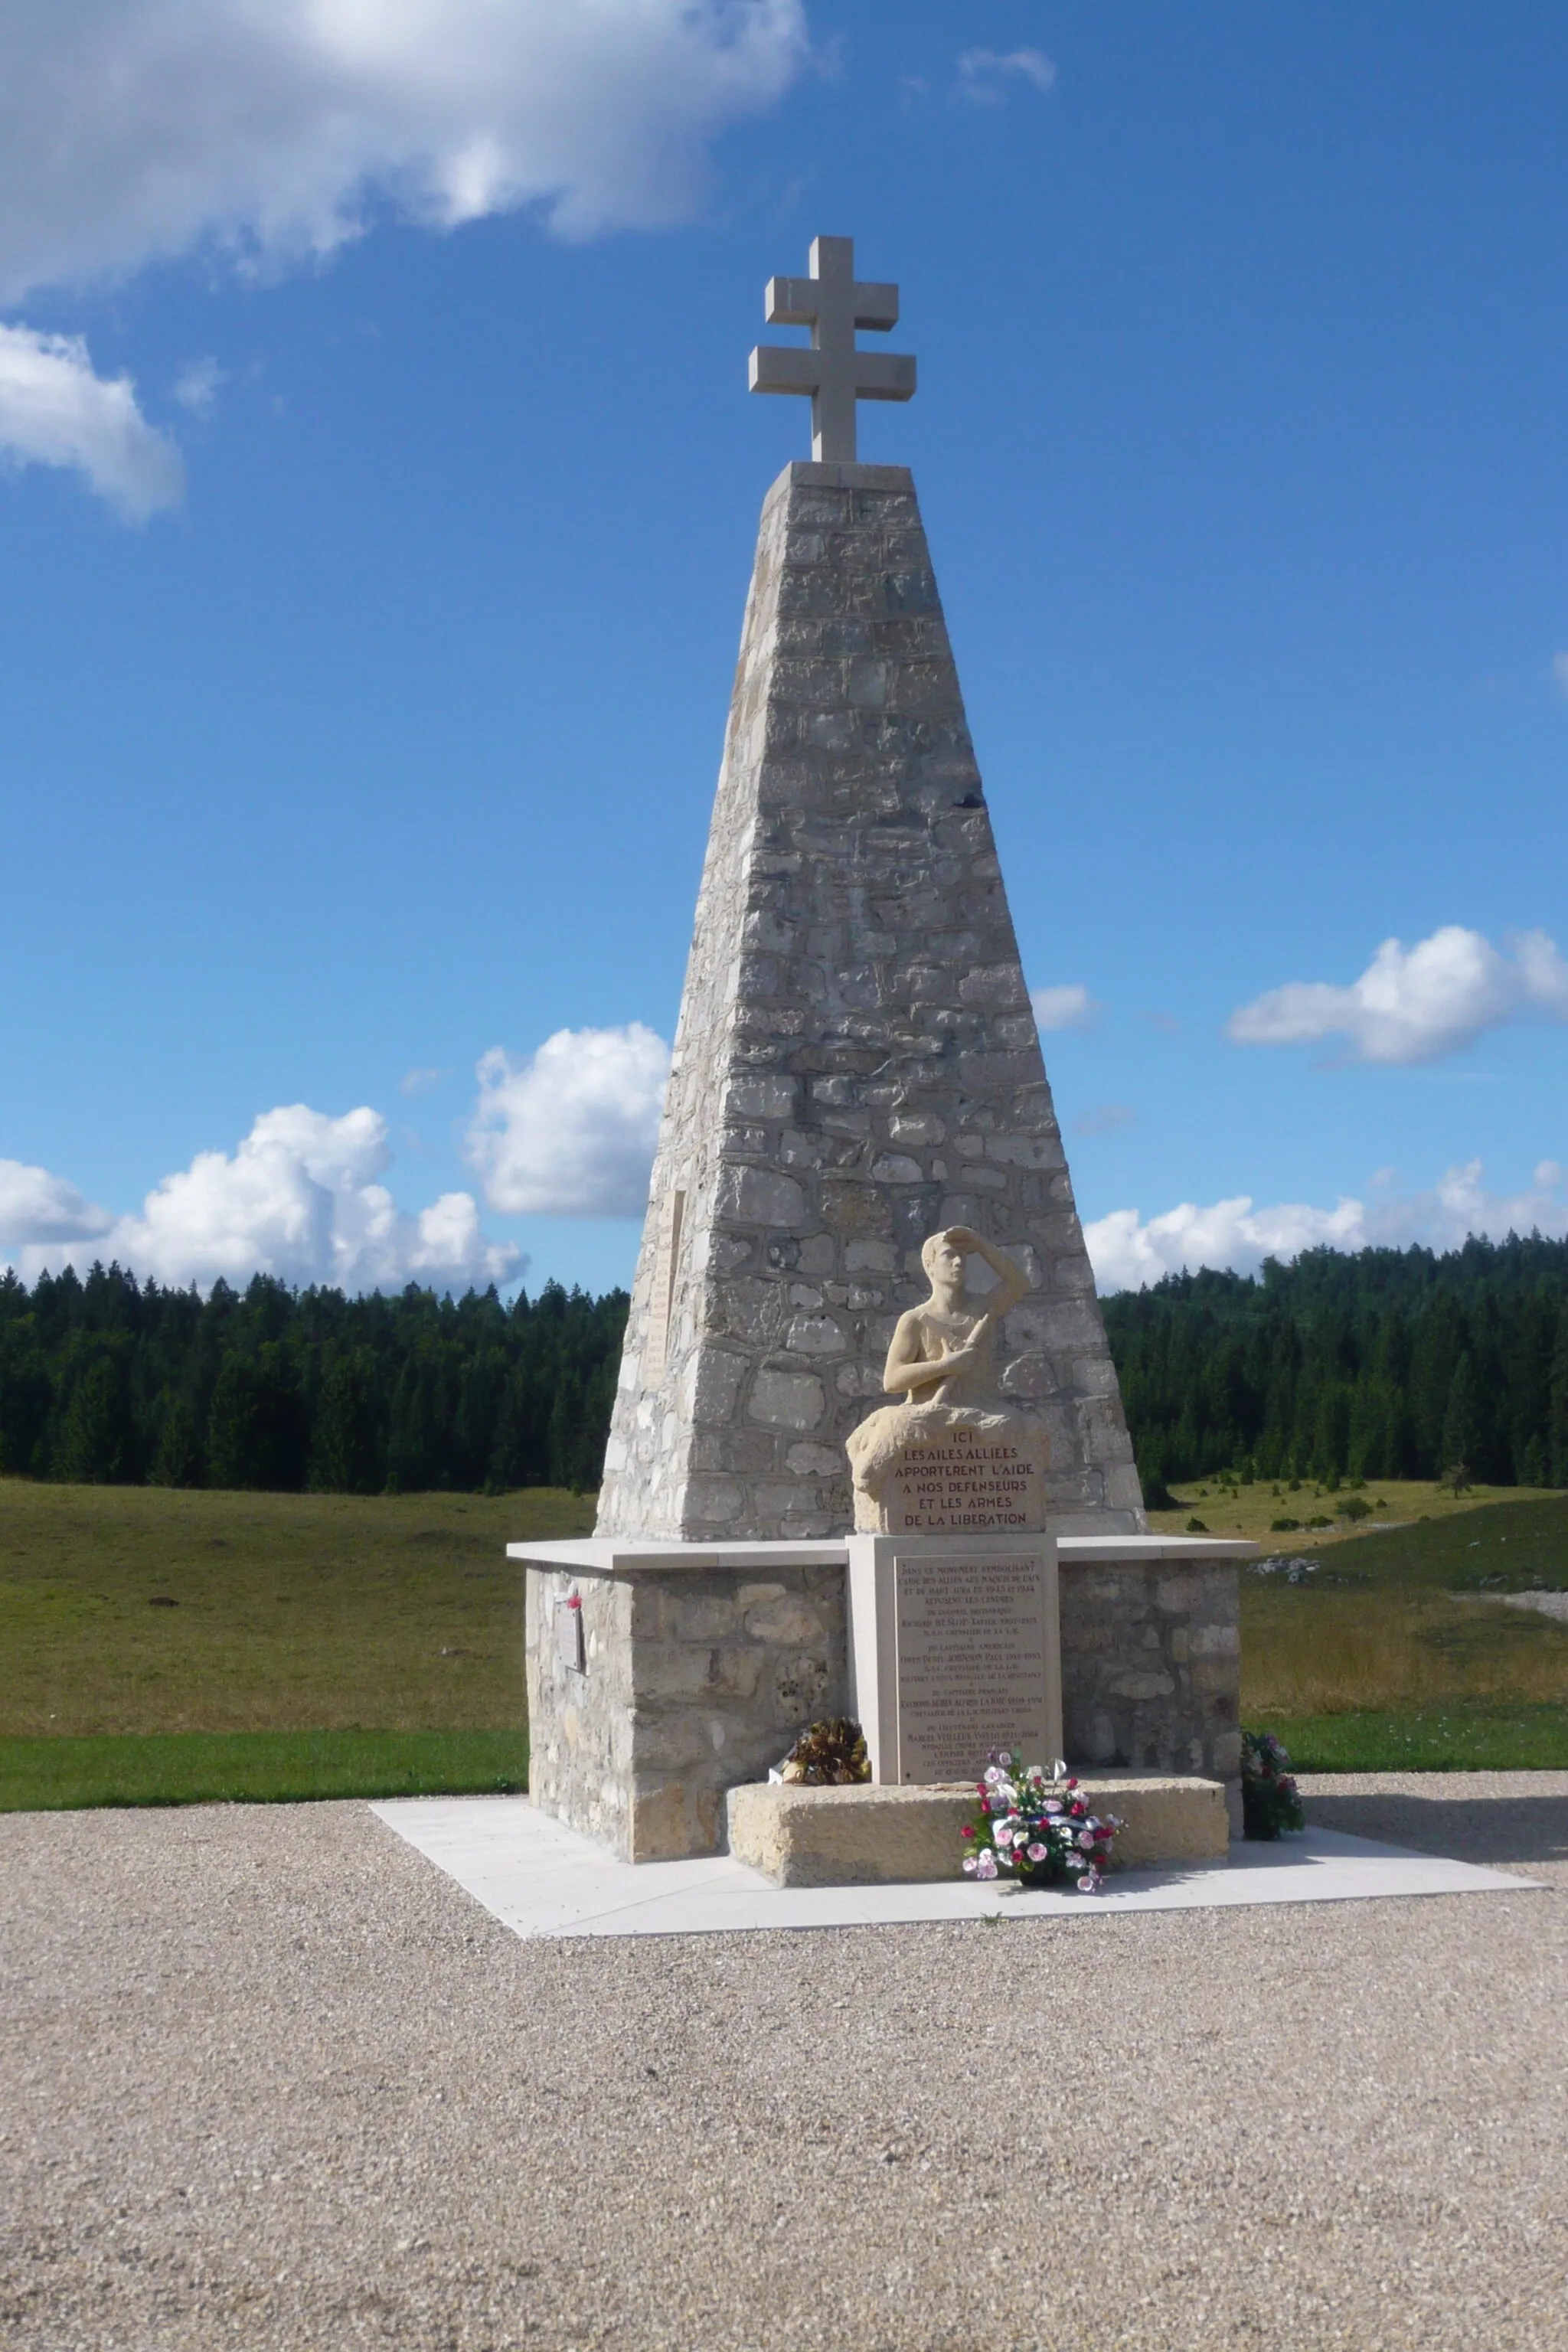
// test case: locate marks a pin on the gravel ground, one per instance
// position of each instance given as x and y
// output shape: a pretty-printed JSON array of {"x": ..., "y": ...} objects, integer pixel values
[
  {"x": 1549, "y": 1604},
  {"x": 271, "y": 2081}
]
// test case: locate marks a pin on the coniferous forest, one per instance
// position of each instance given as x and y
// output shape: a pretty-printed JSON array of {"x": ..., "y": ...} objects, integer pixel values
[
  {"x": 113, "y": 1381},
  {"x": 1388, "y": 1364}
]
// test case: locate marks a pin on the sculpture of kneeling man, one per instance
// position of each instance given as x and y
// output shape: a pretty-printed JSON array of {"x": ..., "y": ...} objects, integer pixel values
[{"x": 956, "y": 1457}]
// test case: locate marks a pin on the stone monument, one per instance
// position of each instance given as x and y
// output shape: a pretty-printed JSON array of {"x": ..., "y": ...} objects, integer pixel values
[
  {"x": 858, "y": 1113},
  {"x": 856, "y": 1062}
]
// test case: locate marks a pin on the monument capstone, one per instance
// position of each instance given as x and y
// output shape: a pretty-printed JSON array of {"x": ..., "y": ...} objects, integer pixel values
[{"x": 858, "y": 1116}]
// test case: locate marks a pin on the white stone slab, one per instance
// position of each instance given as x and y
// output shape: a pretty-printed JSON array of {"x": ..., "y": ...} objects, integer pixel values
[
  {"x": 541, "y": 1879},
  {"x": 626, "y": 1555},
  {"x": 954, "y": 1644}
]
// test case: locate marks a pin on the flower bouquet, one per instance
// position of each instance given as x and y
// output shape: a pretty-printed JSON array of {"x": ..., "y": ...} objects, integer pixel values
[
  {"x": 1035, "y": 1827},
  {"x": 831, "y": 1754},
  {"x": 1270, "y": 1800}
]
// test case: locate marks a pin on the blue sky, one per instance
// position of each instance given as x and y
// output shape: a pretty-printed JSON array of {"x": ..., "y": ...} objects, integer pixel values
[{"x": 367, "y": 654}]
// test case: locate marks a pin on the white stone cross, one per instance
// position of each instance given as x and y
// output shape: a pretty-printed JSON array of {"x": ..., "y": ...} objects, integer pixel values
[{"x": 833, "y": 371}]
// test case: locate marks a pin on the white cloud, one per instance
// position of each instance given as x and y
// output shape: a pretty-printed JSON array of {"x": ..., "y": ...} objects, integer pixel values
[
  {"x": 984, "y": 74},
  {"x": 37, "y": 1207},
  {"x": 1412, "y": 1005},
  {"x": 418, "y": 1082},
  {"x": 1070, "y": 1007},
  {"x": 1560, "y": 670},
  {"x": 54, "y": 411},
  {"x": 571, "y": 1133},
  {"x": 298, "y": 1199},
  {"x": 134, "y": 130},
  {"x": 1127, "y": 1252},
  {"x": 197, "y": 385}
]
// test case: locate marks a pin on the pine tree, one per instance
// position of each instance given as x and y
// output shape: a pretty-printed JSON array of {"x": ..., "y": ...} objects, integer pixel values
[
  {"x": 1557, "y": 1410},
  {"x": 256, "y": 1429},
  {"x": 348, "y": 1448},
  {"x": 1463, "y": 1441},
  {"x": 177, "y": 1453},
  {"x": 97, "y": 1444}
]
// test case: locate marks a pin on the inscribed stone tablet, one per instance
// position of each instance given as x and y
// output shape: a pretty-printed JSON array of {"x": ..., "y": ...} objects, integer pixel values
[
  {"x": 966, "y": 1482},
  {"x": 661, "y": 1299},
  {"x": 975, "y": 1650}
]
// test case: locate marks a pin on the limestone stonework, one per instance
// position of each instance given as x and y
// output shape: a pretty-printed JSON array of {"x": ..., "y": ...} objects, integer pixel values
[
  {"x": 881, "y": 1836},
  {"x": 1152, "y": 1665},
  {"x": 691, "y": 1680},
  {"x": 857, "y": 1064},
  {"x": 697, "y": 1673}
]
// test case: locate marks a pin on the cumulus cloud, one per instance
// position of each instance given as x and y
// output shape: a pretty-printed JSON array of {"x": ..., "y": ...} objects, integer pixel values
[
  {"x": 1412, "y": 1005},
  {"x": 1070, "y": 1007},
  {"x": 37, "y": 1207},
  {"x": 297, "y": 1199},
  {"x": 570, "y": 1131},
  {"x": 985, "y": 75},
  {"x": 54, "y": 411},
  {"x": 136, "y": 130},
  {"x": 1128, "y": 1251},
  {"x": 197, "y": 385}
]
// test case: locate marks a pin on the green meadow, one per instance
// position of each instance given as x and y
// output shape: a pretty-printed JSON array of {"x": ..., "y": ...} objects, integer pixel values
[
  {"x": 1397, "y": 1654},
  {"x": 160, "y": 1646}
]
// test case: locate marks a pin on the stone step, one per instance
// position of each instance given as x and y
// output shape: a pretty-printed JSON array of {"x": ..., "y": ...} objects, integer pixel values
[{"x": 882, "y": 1836}]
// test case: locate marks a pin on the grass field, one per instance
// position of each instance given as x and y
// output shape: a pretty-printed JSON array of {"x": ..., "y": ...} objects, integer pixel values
[
  {"x": 157, "y": 1646},
  {"x": 128, "y": 1610},
  {"x": 1396, "y": 1650},
  {"x": 184, "y": 1768},
  {"x": 1250, "y": 1511}
]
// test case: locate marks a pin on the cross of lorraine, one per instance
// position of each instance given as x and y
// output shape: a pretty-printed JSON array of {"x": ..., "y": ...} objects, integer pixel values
[{"x": 833, "y": 370}]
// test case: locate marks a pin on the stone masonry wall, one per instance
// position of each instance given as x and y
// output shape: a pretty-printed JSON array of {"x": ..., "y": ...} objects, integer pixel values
[
  {"x": 857, "y": 1064},
  {"x": 1152, "y": 1665},
  {"x": 698, "y": 1680}
]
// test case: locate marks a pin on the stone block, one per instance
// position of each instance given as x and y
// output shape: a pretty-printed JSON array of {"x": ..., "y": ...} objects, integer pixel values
[
  {"x": 883, "y": 1835},
  {"x": 702, "y": 1616},
  {"x": 800, "y": 1687},
  {"x": 791, "y": 1619},
  {"x": 787, "y": 1400}
]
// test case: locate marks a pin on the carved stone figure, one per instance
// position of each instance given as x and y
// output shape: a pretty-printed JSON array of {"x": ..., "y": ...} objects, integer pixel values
[{"x": 956, "y": 1457}]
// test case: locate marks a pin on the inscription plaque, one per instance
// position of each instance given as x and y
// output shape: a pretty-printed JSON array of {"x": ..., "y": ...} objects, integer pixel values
[
  {"x": 661, "y": 1299},
  {"x": 976, "y": 1652},
  {"x": 959, "y": 1482}
]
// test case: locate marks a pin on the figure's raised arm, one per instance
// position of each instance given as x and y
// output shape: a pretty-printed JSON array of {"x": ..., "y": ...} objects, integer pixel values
[{"x": 1012, "y": 1283}]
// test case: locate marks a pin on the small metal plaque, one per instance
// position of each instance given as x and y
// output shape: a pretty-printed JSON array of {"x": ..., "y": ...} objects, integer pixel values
[{"x": 569, "y": 1641}]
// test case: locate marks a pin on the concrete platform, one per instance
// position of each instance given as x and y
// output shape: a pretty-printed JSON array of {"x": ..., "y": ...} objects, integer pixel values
[
  {"x": 883, "y": 1835},
  {"x": 542, "y": 1879}
]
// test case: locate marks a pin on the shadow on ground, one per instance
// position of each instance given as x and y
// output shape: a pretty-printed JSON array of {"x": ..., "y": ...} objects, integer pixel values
[{"x": 1466, "y": 1829}]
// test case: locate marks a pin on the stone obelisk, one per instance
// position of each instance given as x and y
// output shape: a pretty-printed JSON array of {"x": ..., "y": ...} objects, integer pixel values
[{"x": 857, "y": 1063}]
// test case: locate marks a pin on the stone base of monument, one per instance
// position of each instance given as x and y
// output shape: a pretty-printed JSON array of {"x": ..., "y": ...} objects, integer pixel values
[
  {"x": 662, "y": 1675},
  {"x": 883, "y": 1836}
]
